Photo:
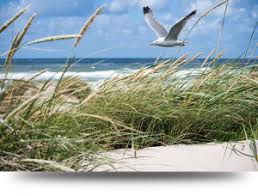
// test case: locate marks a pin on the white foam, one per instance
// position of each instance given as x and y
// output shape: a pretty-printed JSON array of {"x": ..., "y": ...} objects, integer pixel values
[
  {"x": 92, "y": 76},
  {"x": 98, "y": 75}
]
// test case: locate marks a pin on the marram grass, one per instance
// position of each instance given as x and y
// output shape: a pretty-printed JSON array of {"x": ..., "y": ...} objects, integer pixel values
[
  {"x": 13, "y": 19},
  {"x": 18, "y": 40},
  {"x": 87, "y": 25},
  {"x": 218, "y": 104}
]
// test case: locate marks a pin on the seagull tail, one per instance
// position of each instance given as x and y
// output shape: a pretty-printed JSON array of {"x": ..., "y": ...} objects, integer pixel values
[{"x": 183, "y": 43}]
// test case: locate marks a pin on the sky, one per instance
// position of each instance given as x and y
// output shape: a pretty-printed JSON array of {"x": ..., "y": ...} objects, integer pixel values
[{"x": 121, "y": 31}]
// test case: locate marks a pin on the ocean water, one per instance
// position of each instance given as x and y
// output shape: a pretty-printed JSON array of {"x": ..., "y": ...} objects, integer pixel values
[{"x": 92, "y": 70}]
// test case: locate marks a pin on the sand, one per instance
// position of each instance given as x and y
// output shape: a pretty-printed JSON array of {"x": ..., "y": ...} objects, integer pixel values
[{"x": 183, "y": 158}]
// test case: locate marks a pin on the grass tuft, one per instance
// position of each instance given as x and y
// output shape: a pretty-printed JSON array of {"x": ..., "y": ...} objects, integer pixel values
[{"x": 143, "y": 109}]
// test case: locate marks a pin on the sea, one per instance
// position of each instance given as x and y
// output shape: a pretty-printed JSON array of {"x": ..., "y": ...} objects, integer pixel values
[{"x": 93, "y": 70}]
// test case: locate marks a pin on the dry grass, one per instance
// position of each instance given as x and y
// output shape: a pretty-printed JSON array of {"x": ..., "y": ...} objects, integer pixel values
[
  {"x": 75, "y": 87},
  {"x": 16, "y": 93},
  {"x": 10, "y": 54},
  {"x": 87, "y": 25},
  {"x": 12, "y": 20},
  {"x": 53, "y": 38},
  {"x": 18, "y": 40}
]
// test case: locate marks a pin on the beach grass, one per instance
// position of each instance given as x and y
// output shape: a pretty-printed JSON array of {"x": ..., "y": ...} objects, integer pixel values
[
  {"x": 146, "y": 108},
  {"x": 66, "y": 125}
]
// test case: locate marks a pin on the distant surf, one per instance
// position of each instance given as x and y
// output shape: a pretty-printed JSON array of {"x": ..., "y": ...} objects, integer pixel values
[
  {"x": 92, "y": 77},
  {"x": 92, "y": 70}
]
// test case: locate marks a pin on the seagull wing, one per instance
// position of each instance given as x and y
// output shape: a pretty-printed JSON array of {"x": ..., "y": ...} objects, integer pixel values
[
  {"x": 153, "y": 23},
  {"x": 177, "y": 28}
]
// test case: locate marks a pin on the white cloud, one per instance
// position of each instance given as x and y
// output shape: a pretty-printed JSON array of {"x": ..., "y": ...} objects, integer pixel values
[
  {"x": 236, "y": 14},
  {"x": 122, "y": 22},
  {"x": 157, "y": 4},
  {"x": 51, "y": 8},
  {"x": 123, "y": 5},
  {"x": 167, "y": 17},
  {"x": 254, "y": 12},
  {"x": 203, "y": 5},
  {"x": 114, "y": 25},
  {"x": 119, "y": 6}
]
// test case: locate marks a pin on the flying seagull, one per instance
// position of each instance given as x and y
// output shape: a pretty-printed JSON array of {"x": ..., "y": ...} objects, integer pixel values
[{"x": 166, "y": 39}]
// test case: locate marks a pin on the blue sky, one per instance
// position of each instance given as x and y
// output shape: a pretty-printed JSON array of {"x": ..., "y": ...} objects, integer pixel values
[{"x": 120, "y": 31}]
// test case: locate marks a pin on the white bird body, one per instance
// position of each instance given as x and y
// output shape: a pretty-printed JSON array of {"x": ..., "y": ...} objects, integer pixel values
[
  {"x": 162, "y": 42},
  {"x": 166, "y": 39}
]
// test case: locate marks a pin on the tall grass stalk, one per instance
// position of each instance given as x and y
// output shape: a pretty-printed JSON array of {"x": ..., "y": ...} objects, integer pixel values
[
  {"x": 43, "y": 40},
  {"x": 17, "y": 41},
  {"x": 222, "y": 27},
  {"x": 206, "y": 13},
  {"x": 87, "y": 24},
  {"x": 250, "y": 40},
  {"x": 13, "y": 19}
]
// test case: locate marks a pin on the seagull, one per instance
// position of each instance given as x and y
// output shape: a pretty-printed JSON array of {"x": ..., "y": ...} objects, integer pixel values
[{"x": 166, "y": 39}]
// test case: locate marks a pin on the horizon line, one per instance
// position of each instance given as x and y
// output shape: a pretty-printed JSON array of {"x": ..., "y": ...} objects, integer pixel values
[{"x": 21, "y": 58}]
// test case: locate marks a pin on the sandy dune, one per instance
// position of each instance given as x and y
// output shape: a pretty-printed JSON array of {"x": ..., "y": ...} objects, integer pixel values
[{"x": 208, "y": 157}]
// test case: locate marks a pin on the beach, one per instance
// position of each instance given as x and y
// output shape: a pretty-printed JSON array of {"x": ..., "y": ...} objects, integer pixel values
[{"x": 225, "y": 157}]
